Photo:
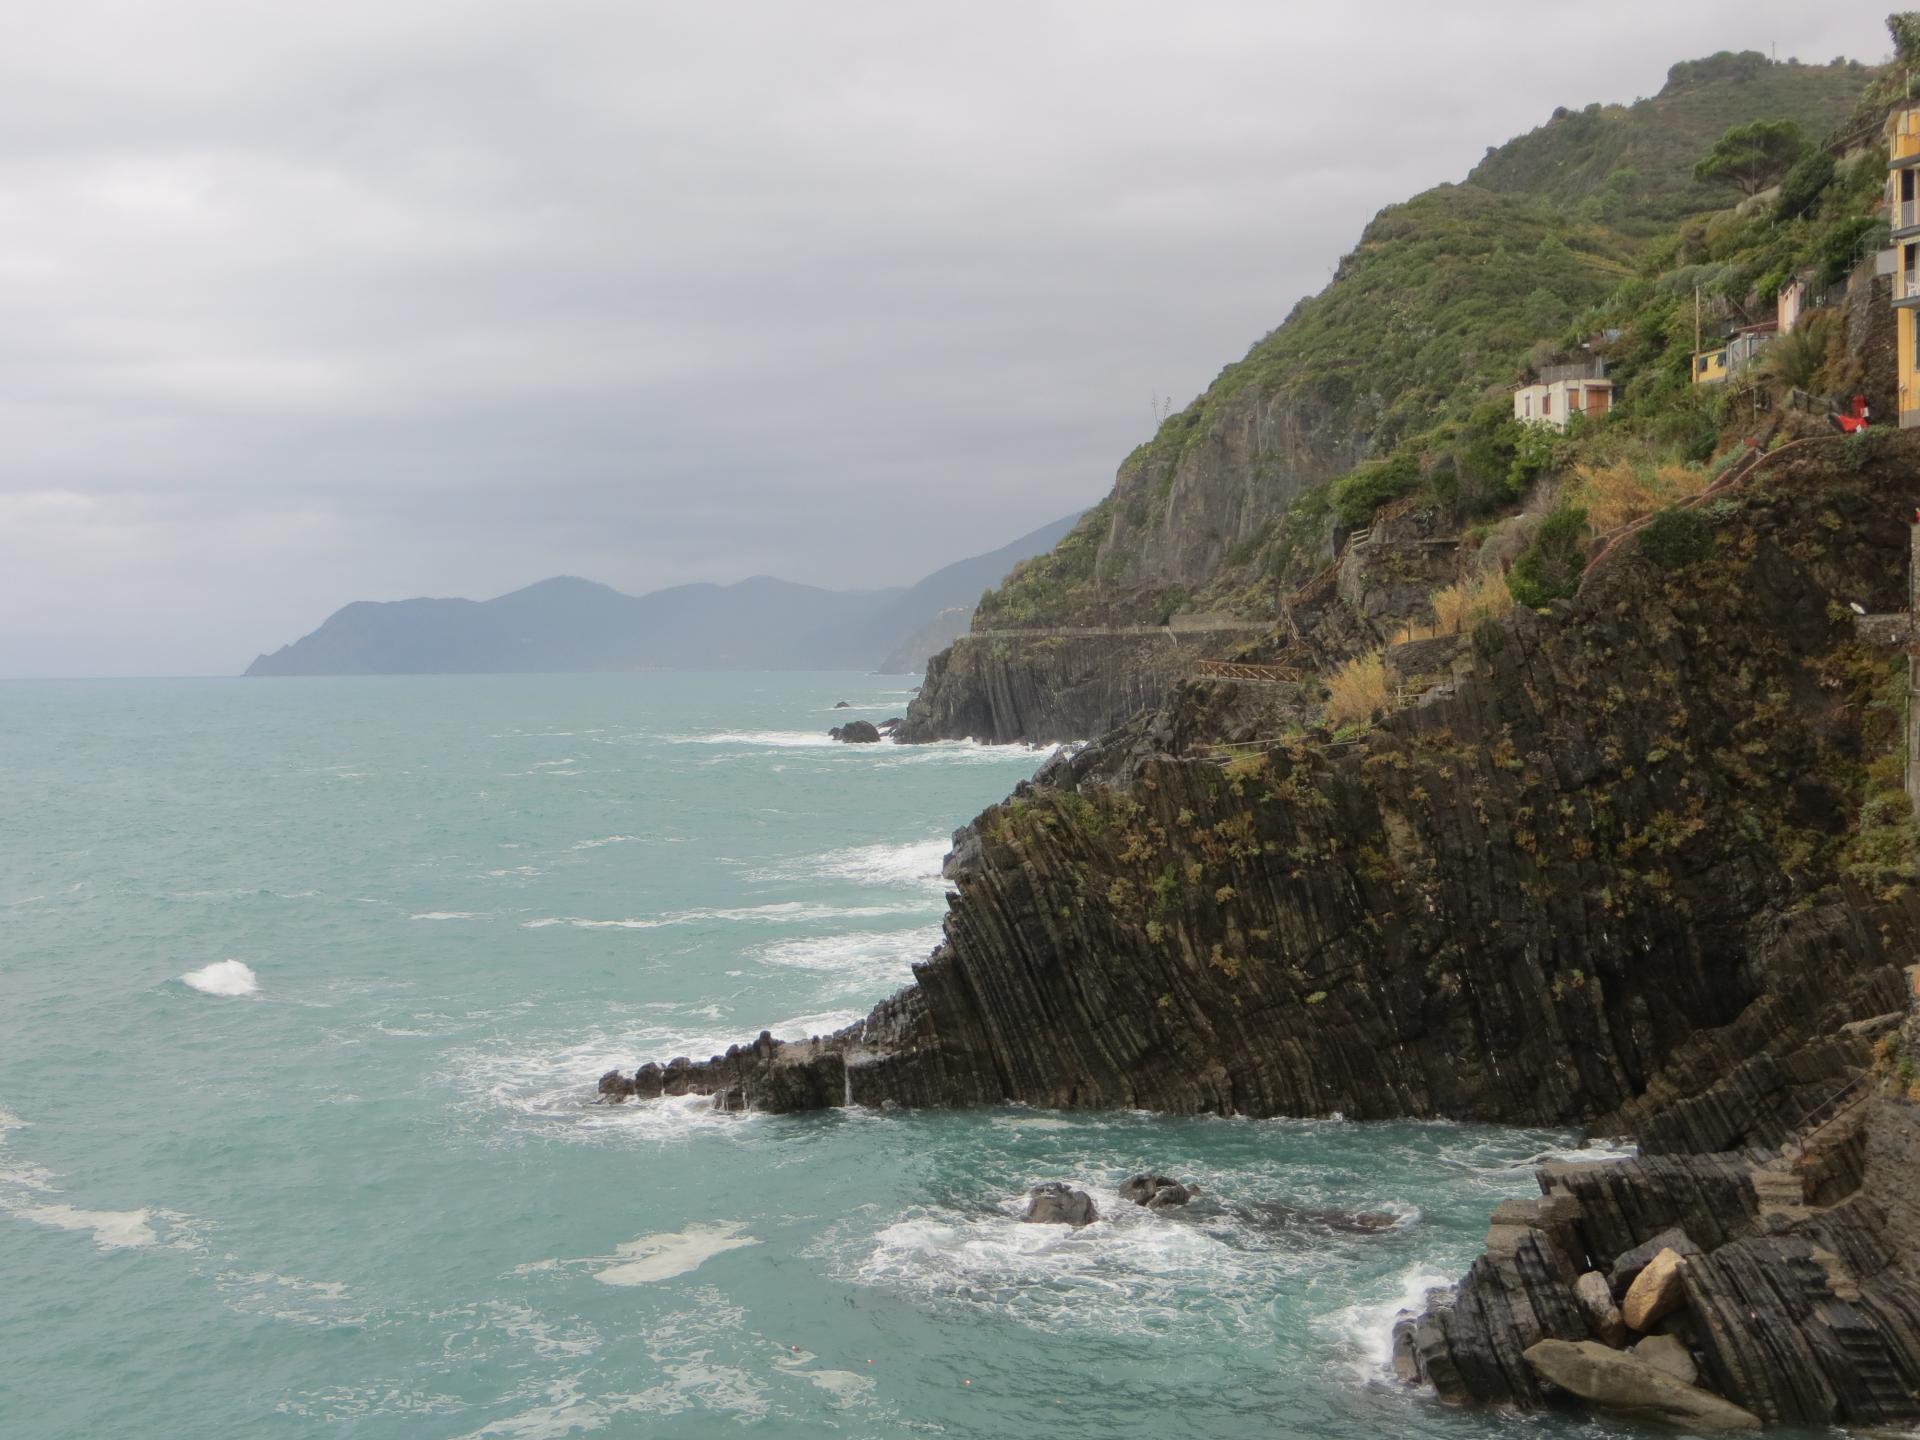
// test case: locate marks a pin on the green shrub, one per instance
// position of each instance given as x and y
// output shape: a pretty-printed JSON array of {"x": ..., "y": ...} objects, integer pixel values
[
  {"x": 1806, "y": 182},
  {"x": 1367, "y": 488},
  {"x": 1549, "y": 569},
  {"x": 1674, "y": 538}
]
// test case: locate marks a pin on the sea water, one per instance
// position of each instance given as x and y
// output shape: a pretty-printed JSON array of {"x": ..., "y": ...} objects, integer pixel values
[{"x": 304, "y": 989}]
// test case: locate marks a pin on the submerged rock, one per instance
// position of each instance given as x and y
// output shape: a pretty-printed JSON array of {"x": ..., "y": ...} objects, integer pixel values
[
  {"x": 1155, "y": 1192},
  {"x": 1631, "y": 1387},
  {"x": 1055, "y": 1203}
]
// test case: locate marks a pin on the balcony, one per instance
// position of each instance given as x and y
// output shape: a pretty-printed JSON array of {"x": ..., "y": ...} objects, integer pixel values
[
  {"x": 1906, "y": 287},
  {"x": 1904, "y": 215}
]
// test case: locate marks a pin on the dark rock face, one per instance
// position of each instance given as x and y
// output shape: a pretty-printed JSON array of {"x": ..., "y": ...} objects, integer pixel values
[
  {"x": 999, "y": 690},
  {"x": 1155, "y": 1192},
  {"x": 1553, "y": 894},
  {"x": 1801, "y": 1314},
  {"x": 856, "y": 732},
  {"x": 1055, "y": 1203}
]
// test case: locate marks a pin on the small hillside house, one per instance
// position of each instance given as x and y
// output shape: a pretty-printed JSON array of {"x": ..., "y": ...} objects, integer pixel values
[{"x": 1562, "y": 392}]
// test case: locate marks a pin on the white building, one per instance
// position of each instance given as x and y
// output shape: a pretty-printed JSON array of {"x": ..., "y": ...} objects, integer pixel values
[{"x": 1556, "y": 398}]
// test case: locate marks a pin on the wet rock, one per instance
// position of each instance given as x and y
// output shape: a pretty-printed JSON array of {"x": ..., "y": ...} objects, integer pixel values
[
  {"x": 1055, "y": 1203},
  {"x": 648, "y": 1081},
  {"x": 1603, "y": 1316},
  {"x": 1659, "y": 1290},
  {"x": 856, "y": 732},
  {"x": 1668, "y": 1353},
  {"x": 1156, "y": 1192},
  {"x": 615, "y": 1088},
  {"x": 841, "y": 705},
  {"x": 1617, "y": 1382}
]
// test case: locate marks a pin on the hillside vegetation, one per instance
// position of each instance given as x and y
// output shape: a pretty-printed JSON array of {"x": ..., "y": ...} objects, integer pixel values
[{"x": 1394, "y": 379}]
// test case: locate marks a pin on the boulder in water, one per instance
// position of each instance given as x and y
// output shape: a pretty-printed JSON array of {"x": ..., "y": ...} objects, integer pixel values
[
  {"x": 1156, "y": 1192},
  {"x": 1055, "y": 1203},
  {"x": 841, "y": 705},
  {"x": 856, "y": 732}
]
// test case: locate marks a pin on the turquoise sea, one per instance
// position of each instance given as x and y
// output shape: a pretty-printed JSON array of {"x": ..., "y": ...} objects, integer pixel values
[{"x": 304, "y": 988}]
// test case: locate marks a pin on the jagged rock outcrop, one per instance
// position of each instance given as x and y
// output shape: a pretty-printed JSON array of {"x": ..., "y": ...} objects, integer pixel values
[
  {"x": 1796, "y": 1311},
  {"x": 1004, "y": 689},
  {"x": 1591, "y": 880}
]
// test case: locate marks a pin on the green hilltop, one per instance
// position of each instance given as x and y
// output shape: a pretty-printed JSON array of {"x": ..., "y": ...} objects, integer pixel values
[{"x": 1394, "y": 377}]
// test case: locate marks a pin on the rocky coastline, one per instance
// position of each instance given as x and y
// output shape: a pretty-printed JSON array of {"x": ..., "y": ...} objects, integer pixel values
[{"x": 1599, "y": 874}]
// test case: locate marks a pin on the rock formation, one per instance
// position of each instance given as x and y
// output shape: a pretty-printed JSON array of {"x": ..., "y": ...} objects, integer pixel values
[
  {"x": 1609, "y": 872},
  {"x": 1057, "y": 1203},
  {"x": 1552, "y": 892}
]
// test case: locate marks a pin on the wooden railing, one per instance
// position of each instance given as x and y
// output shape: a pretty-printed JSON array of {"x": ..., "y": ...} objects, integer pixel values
[{"x": 1238, "y": 670}]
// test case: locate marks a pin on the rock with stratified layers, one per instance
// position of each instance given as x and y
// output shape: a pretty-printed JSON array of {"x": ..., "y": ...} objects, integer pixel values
[
  {"x": 1658, "y": 1291},
  {"x": 1619, "y": 1383}
]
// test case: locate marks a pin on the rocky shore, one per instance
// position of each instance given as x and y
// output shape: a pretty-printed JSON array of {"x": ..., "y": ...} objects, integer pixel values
[{"x": 1612, "y": 870}]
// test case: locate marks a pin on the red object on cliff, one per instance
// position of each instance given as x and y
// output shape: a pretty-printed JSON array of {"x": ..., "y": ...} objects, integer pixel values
[{"x": 1855, "y": 419}]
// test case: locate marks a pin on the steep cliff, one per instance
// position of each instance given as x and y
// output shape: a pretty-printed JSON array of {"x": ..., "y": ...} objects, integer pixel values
[
  {"x": 1432, "y": 313},
  {"x": 1567, "y": 878}
]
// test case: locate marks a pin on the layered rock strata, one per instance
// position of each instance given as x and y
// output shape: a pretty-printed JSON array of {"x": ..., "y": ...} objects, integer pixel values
[{"x": 1591, "y": 879}]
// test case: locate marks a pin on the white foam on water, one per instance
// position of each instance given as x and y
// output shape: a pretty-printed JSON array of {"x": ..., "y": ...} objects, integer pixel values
[
  {"x": 915, "y": 863},
  {"x": 1365, "y": 1328},
  {"x": 776, "y": 739},
  {"x": 776, "y": 913},
  {"x": 653, "y": 1258},
  {"x": 805, "y": 1027},
  {"x": 604, "y": 840},
  {"x": 111, "y": 1229},
  {"x": 449, "y": 915},
  {"x": 873, "y": 956},
  {"x": 223, "y": 977},
  {"x": 1056, "y": 1276}
]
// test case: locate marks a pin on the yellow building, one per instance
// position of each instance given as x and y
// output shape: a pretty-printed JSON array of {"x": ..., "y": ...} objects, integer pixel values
[
  {"x": 1903, "y": 215},
  {"x": 1710, "y": 366}
]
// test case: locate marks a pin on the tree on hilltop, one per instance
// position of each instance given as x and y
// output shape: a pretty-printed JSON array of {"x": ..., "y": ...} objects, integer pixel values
[{"x": 1752, "y": 157}]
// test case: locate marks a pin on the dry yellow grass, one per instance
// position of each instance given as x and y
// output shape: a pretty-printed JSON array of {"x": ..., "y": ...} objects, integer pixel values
[
  {"x": 1357, "y": 690},
  {"x": 1460, "y": 607},
  {"x": 1612, "y": 495}
]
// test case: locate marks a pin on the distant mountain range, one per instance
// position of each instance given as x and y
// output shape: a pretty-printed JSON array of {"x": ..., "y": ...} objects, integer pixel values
[{"x": 568, "y": 624}]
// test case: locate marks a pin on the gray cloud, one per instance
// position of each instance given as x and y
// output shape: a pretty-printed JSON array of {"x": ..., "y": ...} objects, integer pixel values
[{"x": 302, "y": 305}]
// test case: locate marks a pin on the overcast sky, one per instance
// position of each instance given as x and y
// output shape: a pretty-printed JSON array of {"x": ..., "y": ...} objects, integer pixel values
[{"x": 301, "y": 304}]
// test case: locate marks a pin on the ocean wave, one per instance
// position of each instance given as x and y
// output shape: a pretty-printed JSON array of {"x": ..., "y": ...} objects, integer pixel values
[
  {"x": 776, "y": 913},
  {"x": 873, "y": 955},
  {"x": 1364, "y": 1329},
  {"x": 223, "y": 977},
  {"x": 912, "y": 863},
  {"x": 774, "y": 739},
  {"x": 604, "y": 840},
  {"x": 449, "y": 915}
]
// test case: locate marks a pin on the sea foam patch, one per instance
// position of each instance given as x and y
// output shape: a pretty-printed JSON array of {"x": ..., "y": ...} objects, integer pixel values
[
  {"x": 223, "y": 977},
  {"x": 653, "y": 1258}
]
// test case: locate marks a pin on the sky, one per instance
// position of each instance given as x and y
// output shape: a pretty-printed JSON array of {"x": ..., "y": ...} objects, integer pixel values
[{"x": 378, "y": 298}]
